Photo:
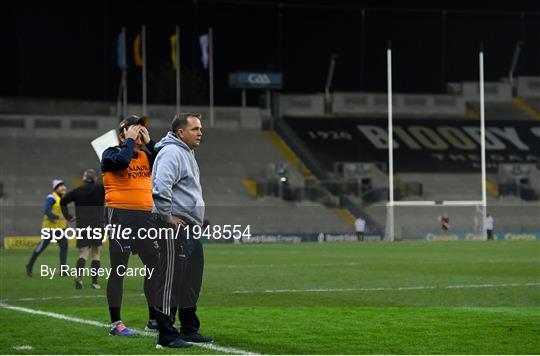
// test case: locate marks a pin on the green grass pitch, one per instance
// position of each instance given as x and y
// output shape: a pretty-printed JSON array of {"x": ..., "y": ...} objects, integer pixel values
[{"x": 362, "y": 298}]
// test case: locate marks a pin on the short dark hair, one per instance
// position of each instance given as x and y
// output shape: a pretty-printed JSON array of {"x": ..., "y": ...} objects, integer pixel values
[{"x": 180, "y": 121}]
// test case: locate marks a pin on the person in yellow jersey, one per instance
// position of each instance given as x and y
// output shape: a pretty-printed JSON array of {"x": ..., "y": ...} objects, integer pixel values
[
  {"x": 52, "y": 218},
  {"x": 127, "y": 178}
]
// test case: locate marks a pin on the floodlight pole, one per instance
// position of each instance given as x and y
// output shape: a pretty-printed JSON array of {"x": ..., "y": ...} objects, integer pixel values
[
  {"x": 124, "y": 75},
  {"x": 211, "y": 74},
  {"x": 329, "y": 79},
  {"x": 483, "y": 141},
  {"x": 178, "y": 87},
  {"x": 143, "y": 50},
  {"x": 390, "y": 209},
  {"x": 513, "y": 65}
]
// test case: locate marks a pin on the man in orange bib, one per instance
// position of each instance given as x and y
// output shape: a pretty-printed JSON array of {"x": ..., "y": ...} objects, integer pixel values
[{"x": 127, "y": 178}]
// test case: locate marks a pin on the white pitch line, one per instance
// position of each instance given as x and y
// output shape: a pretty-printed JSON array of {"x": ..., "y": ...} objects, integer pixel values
[
  {"x": 218, "y": 266},
  {"x": 352, "y": 264},
  {"x": 22, "y": 347},
  {"x": 213, "y": 347},
  {"x": 55, "y": 297},
  {"x": 318, "y": 290},
  {"x": 66, "y": 297}
]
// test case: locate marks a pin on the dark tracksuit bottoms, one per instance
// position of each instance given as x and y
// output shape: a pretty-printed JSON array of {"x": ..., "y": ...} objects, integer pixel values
[
  {"x": 180, "y": 281},
  {"x": 62, "y": 244},
  {"x": 120, "y": 250}
]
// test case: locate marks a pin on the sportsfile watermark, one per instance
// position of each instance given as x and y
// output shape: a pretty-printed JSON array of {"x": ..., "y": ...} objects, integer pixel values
[
  {"x": 118, "y": 232},
  {"x": 106, "y": 272}
]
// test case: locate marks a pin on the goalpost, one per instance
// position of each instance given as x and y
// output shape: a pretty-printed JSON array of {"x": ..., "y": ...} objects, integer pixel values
[{"x": 480, "y": 206}]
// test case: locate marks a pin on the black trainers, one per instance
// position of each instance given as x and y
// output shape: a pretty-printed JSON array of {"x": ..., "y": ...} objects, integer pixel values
[
  {"x": 28, "y": 270},
  {"x": 178, "y": 343},
  {"x": 152, "y": 325},
  {"x": 78, "y": 283},
  {"x": 196, "y": 337}
]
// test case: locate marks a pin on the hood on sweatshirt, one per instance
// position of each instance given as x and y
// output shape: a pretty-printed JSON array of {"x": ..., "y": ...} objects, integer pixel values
[
  {"x": 171, "y": 139},
  {"x": 176, "y": 186}
]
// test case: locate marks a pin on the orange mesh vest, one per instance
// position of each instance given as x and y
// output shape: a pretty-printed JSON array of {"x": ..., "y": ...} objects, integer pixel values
[{"x": 130, "y": 188}]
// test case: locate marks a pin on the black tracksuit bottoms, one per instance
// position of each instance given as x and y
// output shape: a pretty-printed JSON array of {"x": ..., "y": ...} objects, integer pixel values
[
  {"x": 180, "y": 281},
  {"x": 120, "y": 251}
]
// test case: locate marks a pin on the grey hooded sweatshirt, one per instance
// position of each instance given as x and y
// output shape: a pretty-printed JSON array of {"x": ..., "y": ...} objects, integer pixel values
[{"x": 176, "y": 186}]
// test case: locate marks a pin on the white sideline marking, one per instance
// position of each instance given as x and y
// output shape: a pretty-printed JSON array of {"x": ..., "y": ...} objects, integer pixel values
[
  {"x": 67, "y": 297},
  {"x": 220, "y": 266},
  {"x": 316, "y": 290},
  {"x": 22, "y": 347},
  {"x": 352, "y": 264},
  {"x": 213, "y": 347},
  {"x": 56, "y": 297}
]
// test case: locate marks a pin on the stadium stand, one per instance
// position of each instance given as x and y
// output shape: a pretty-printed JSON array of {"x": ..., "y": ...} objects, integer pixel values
[
  {"x": 511, "y": 213},
  {"x": 528, "y": 91},
  {"x": 34, "y": 157},
  {"x": 352, "y": 104},
  {"x": 499, "y": 97},
  {"x": 534, "y": 103},
  {"x": 501, "y": 110},
  {"x": 358, "y": 171},
  {"x": 228, "y": 156},
  {"x": 44, "y": 146},
  {"x": 405, "y": 105},
  {"x": 412, "y": 222},
  {"x": 446, "y": 186}
]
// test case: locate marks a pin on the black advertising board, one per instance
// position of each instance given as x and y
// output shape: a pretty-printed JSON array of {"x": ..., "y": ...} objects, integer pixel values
[{"x": 420, "y": 145}]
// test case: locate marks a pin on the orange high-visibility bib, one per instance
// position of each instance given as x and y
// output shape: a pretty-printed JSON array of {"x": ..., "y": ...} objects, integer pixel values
[{"x": 130, "y": 188}]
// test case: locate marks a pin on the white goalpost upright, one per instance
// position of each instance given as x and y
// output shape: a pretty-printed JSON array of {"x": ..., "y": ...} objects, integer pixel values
[
  {"x": 483, "y": 141},
  {"x": 481, "y": 205},
  {"x": 390, "y": 206}
]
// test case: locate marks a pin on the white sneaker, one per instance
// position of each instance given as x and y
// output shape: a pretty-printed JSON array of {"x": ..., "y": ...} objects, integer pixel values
[{"x": 96, "y": 286}]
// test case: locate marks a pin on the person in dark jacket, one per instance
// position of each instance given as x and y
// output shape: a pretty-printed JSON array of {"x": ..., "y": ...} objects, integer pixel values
[
  {"x": 88, "y": 199},
  {"x": 127, "y": 179}
]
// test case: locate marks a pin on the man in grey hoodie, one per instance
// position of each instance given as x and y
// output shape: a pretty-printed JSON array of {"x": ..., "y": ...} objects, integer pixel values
[{"x": 178, "y": 203}]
